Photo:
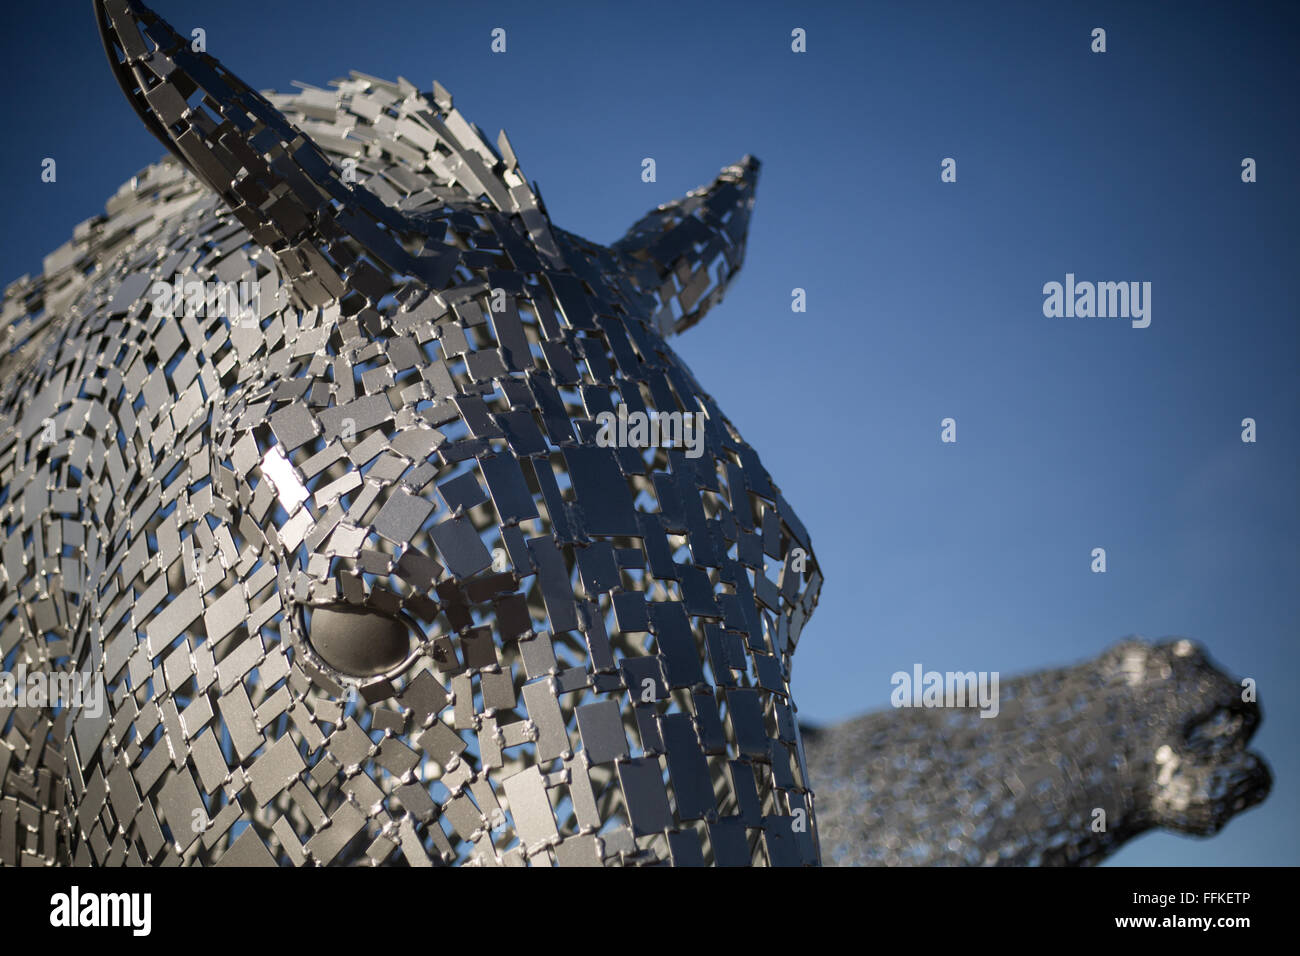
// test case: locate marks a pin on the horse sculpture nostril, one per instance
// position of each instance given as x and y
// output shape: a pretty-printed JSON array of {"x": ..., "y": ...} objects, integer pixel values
[
  {"x": 357, "y": 642},
  {"x": 1220, "y": 731}
]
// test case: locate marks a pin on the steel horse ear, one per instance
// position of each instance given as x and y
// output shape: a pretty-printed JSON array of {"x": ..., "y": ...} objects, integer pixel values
[{"x": 302, "y": 463}]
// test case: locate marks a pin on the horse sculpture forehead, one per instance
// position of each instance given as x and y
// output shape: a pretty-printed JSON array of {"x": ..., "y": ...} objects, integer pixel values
[{"x": 358, "y": 577}]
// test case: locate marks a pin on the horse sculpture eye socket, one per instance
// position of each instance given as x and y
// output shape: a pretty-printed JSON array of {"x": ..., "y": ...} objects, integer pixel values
[{"x": 357, "y": 642}]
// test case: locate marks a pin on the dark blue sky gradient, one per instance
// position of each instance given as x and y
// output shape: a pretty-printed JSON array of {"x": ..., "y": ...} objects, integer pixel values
[{"x": 924, "y": 298}]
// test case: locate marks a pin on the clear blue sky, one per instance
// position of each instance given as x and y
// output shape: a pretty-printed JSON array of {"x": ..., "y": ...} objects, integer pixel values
[{"x": 924, "y": 298}]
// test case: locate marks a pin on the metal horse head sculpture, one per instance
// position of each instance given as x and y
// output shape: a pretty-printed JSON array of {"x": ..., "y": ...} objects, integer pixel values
[
  {"x": 352, "y": 512},
  {"x": 307, "y": 461}
]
